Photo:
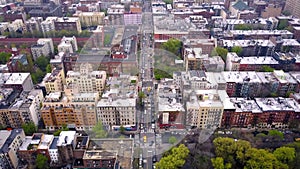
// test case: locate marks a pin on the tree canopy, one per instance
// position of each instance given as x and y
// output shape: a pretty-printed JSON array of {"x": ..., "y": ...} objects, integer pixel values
[
  {"x": 172, "y": 140},
  {"x": 285, "y": 154},
  {"x": 99, "y": 131},
  {"x": 42, "y": 62},
  {"x": 41, "y": 162},
  {"x": 173, "y": 45},
  {"x": 240, "y": 154},
  {"x": 237, "y": 49},
  {"x": 174, "y": 159},
  {"x": 4, "y": 57},
  {"x": 29, "y": 128},
  {"x": 218, "y": 163},
  {"x": 242, "y": 27},
  {"x": 160, "y": 74},
  {"x": 222, "y": 52},
  {"x": 63, "y": 128}
]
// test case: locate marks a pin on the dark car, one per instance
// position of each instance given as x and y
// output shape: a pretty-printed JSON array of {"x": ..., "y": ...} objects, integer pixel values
[{"x": 154, "y": 159}]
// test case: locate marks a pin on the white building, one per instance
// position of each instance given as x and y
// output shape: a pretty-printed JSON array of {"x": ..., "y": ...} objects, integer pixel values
[
  {"x": 204, "y": 109},
  {"x": 44, "y": 47},
  {"x": 53, "y": 151},
  {"x": 48, "y": 25},
  {"x": 68, "y": 45}
]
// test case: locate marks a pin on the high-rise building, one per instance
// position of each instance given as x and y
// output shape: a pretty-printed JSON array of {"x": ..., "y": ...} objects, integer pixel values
[{"x": 293, "y": 6}]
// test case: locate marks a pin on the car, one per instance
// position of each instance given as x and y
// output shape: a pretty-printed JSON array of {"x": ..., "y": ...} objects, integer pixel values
[
  {"x": 151, "y": 143},
  {"x": 154, "y": 159}
]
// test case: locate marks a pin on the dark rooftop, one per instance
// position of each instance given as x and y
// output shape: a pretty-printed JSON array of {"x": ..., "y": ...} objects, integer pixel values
[
  {"x": 54, "y": 143},
  {"x": 10, "y": 139},
  {"x": 240, "y": 5}
]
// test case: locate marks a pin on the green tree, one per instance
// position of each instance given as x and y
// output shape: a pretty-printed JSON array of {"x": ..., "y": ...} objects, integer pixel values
[
  {"x": 267, "y": 69},
  {"x": 64, "y": 127},
  {"x": 222, "y": 52},
  {"x": 168, "y": 1},
  {"x": 41, "y": 162},
  {"x": 237, "y": 49},
  {"x": 286, "y": 13},
  {"x": 42, "y": 62},
  {"x": 261, "y": 158},
  {"x": 242, "y": 27},
  {"x": 174, "y": 159},
  {"x": 172, "y": 140},
  {"x": 285, "y": 155},
  {"x": 98, "y": 131},
  {"x": 4, "y": 57},
  {"x": 232, "y": 151},
  {"x": 48, "y": 68},
  {"x": 37, "y": 76},
  {"x": 218, "y": 163},
  {"x": 122, "y": 129},
  {"x": 283, "y": 24},
  {"x": 173, "y": 45},
  {"x": 29, "y": 128},
  {"x": 276, "y": 134},
  {"x": 160, "y": 74},
  {"x": 296, "y": 161}
]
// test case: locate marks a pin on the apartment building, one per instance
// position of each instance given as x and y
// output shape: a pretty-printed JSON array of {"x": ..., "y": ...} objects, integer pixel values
[
  {"x": 19, "y": 108},
  {"x": 53, "y": 152},
  {"x": 68, "y": 45},
  {"x": 16, "y": 81},
  {"x": 261, "y": 112},
  {"x": 165, "y": 27},
  {"x": 86, "y": 80},
  {"x": 118, "y": 105},
  {"x": 90, "y": 18},
  {"x": 242, "y": 84},
  {"x": 65, "y": 146},
  {"x": 256, "y": 34},
  {"x": 251, "y": 63},
  {"x": 34, "y": 24},
  {"x": 9, "y": 145},
  {"x": 105, "y": 153},
  {"x": 54, "y": 81},
  {"x": 195, "y": 60},
  {"x": 253, "y": 47},
  {"x": 115, "y": 15},
  {"x": 48, "y": 26},
  {"x": 31, "y": 146},
  {"x": 78, "y": 111},
  {"x": 68, "y": 24},
  {"x": 293, "y": 6},
  {"x": 204, "y": 109},
  {"x": 133, "y": 16},
  {"x": 287, "y": 83},
  {"x": 16, "y": 25},
  {"x": 44, "y": 47},
  {"x": 170, "y": 107},
  {"x": 207, "y": 45}
]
